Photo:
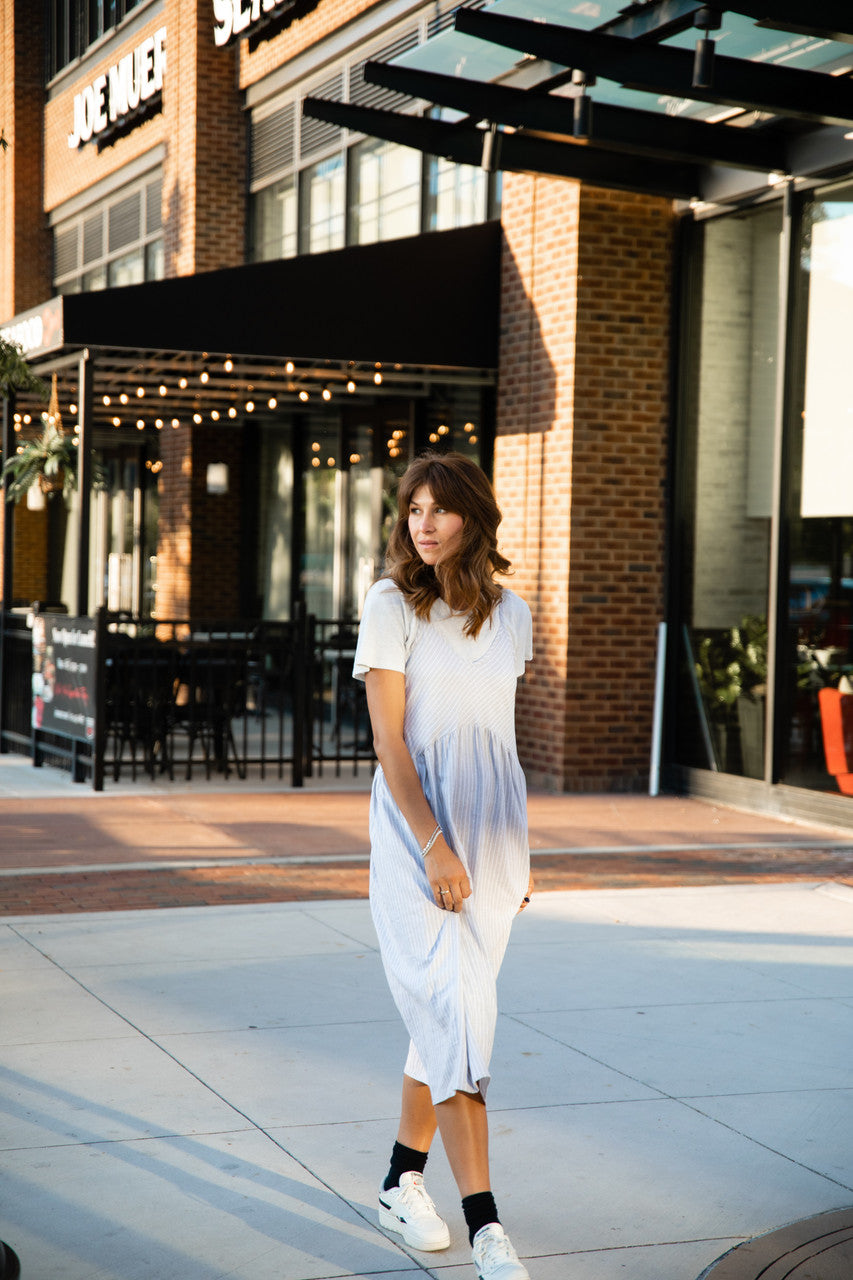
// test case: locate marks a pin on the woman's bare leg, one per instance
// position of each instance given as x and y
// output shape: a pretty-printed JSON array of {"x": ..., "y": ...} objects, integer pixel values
[
  {"x": 417, "y": 1116},
  {"x": 464, "y": 1129}
]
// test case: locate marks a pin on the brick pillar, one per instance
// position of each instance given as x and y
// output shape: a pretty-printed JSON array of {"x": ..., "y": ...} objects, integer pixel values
[
  {"x": 204, "y": 200},
  {"x": 204, "y": 211},
  {"x": 580, "y": 460}
]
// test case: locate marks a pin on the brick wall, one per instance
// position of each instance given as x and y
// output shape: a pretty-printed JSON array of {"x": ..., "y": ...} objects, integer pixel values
[
  {"x": 297, "y": 37},
  {"x": 580, "y": 466},
  {"x": 24, "y": 242}
]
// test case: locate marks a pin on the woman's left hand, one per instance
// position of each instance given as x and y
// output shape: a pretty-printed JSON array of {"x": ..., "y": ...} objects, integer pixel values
[{"x": 526, "y": 899}]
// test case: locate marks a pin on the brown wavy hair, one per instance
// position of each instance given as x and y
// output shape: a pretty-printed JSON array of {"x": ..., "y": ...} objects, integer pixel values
[{"x": 465, "y": 579}]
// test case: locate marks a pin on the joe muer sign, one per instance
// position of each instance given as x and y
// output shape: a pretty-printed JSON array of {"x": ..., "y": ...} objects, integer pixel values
[
  {"x": 122, "y": 96},
  {"x": 233, "y": 19}
]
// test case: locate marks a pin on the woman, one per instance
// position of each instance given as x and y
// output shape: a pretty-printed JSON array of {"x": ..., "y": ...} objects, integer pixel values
[{"x": 441, "y": 646}]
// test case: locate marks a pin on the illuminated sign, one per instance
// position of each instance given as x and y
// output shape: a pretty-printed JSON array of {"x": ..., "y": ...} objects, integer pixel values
[
  {"x": 127, "y": 92},
  {"x": 235, "y": 18},
  {"x": 36, "y": 331}
]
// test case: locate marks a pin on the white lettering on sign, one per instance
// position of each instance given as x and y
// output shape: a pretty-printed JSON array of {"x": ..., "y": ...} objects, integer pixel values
[
  {"x": 26, "y": 334},
  {"x": 232, "y": 18},
  {"x": 136, "y": 78}
]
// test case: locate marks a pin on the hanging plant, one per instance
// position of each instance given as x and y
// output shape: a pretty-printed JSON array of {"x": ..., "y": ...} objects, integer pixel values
[{"x": 49, "y": 460}]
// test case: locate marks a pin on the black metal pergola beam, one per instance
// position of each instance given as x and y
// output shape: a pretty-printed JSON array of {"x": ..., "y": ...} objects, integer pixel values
[
  {"x": 653, "y": 68},
  {"x": 517, "y": 152},
  {"x": 613, "y": 128},
  {"x": 655, "y": 21}
]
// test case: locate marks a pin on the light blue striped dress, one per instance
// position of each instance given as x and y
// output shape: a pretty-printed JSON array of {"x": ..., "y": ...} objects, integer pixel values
[{"x": 460, "y": 730}]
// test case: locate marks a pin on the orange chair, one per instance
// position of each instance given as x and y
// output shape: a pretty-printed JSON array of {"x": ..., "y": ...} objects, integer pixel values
[{"x": 836, "y": 720}]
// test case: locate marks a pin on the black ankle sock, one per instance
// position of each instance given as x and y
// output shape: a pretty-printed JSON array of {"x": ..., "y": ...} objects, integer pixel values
[
  {"x": 479, "y": 1210},
  {"x": 404, "y": 1160}
]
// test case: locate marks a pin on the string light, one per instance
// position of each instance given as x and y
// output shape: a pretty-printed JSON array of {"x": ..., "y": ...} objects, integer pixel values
[
  {"x": 214, "y": 413},
  {"x": 140, "y": 391},
  {"x": 303, "y": 396},
  {"x": 315, "y": 462},
  {"x": 250, "y": 405},
  {"x": 229, "y": 365},
  {"x": 162, "y": 388},
  {"x": 327, "y": 395},
  {"x": 354, "y": 458},
  {"x": 106, "y": 402},
  {"x": 330, "y": 462},
  {"x": 204, "y": 376},
  {"x": 176, "y": 422},
  {"x": 182, "y": 383},
  {"x": 443, "y": 430},
  {"x": 123, "y": 397},
  {"x": 140, "y": 424},
  {"x": 315, "y": 445},
  {"x": 289, "y": 367},
  {"x": 272, "y": 402},
  {"x": 377, "y": 378},
  {"x": 469, "y": 426},
  {"x": 433, "y": 438},
  {"x": 72, "y": 408},
  {"x": 158, "y": 423},
  {"x": 196, "y": 418},
  {"x": 350, "y": 386},
  {"x": 232, "y": 412},
  {"x": 116, "y": 422}
]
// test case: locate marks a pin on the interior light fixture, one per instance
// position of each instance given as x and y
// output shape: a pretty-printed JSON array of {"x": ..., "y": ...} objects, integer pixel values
[{"x": 217, "y": 477}]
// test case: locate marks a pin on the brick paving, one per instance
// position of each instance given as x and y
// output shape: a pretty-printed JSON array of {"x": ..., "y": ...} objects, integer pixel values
[{"x": 106, "y": 853}]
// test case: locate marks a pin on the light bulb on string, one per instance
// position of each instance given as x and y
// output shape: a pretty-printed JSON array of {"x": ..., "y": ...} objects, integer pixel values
[
  {"x": 72, "y": 408},
  {"x": 272, "y": 402},
  {"x": 433, "y": 438},
  {"x": 116, "y": 422},
  {"x": 140, "y": 424},
  {"x": 140, "y": 391},
  {"x": 350, "y": 386},
  {"x": 204, "y": 376},
  {"x": 250, "y": 406},
  {"x": 106, "y": 401},
  {"x": 162, "y": 388},
  {"x": 197, "y": 418},
  {"x": 182, "y": 383},
  {"x": 176, "y": 422},
  {"x": 229, "y": 365},
  {"x": 232, "y": 412},
  {"x": 303, "y": 396},
  {"x": 289, "y": 367},
  {"x": 327, "y": 395},
  {"x": 158, "y": 423},
  {"x": 214, "y": 413},
  {"x": 377, "y": 378},
  {"x": 315, "y": 462},
  {"x": 123, "y": 397}
]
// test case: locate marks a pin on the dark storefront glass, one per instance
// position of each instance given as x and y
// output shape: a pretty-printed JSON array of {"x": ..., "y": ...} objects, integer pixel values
[
  {"x": 817, "y": 659},
  {"x": 724, "y": 522}
]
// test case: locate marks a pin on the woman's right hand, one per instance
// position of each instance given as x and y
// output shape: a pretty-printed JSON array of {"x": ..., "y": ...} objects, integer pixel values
[{"x": 445, "y": 871}]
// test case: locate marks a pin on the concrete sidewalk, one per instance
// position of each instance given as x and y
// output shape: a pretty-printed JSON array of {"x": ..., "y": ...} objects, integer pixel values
[{"x": 212, "y": 1092}]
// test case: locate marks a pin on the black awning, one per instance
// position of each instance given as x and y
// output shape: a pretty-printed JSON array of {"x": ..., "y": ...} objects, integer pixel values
[{"x": 425, "y": 300}]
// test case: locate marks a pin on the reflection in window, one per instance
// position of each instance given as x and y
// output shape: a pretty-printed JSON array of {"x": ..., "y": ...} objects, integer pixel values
[
  {"x": 324, "y": 205},
  {"x": 727, "y": 497},
  {"x": 818, "y": 660},
  {"x": 457, "y": 195},
  {"x": 275, "y": 221},
  {"x": 386, "y": 192}
]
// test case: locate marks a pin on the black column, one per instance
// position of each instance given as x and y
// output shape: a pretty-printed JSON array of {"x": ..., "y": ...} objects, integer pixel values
[{"x": 84, "y": 476}]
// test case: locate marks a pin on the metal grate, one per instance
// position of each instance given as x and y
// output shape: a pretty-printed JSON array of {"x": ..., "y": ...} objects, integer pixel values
[
  {"x": 93, "y": 237},
  {"x": 371, "y": 95},
  {"x": 273, "y": 142},
  {"x": 154, "y": 206},
  {"x": 315, "y": 135},
  {"x": 65, "y": 251},
  {"x": 124, "y": 221},
  {"x": 445, "y": 19}
]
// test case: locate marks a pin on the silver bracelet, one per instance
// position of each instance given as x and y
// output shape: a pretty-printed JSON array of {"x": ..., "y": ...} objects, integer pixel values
[{"x": 425, "y": 850}]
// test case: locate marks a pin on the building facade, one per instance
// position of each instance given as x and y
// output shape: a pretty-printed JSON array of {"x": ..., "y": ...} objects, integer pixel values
[{"x": 632, "y": 366}]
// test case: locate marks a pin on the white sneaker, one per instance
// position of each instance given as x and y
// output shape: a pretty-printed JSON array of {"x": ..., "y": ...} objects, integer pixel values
[
  {"x": 410, "y": 1212},
  {"x": 494, "y": 1256}
]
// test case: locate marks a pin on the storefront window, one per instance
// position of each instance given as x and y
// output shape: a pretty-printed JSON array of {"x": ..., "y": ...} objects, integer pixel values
[
  {"x": 723, "y": 527},
  {"x": 817, "y": 663},
  {"x": 385, "y": 202},
  {"x": 324, "y": 205}
]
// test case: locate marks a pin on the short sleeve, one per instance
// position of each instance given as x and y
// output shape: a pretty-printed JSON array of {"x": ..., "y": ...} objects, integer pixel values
[
  {"x": 384, "y": 633},
  {"x": 521, "y": 628}
]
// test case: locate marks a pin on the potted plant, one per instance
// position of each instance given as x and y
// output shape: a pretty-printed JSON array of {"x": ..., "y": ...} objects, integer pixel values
[
  {"x": 48, "y": 460},
  {"x": 731, "y": 668}
]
